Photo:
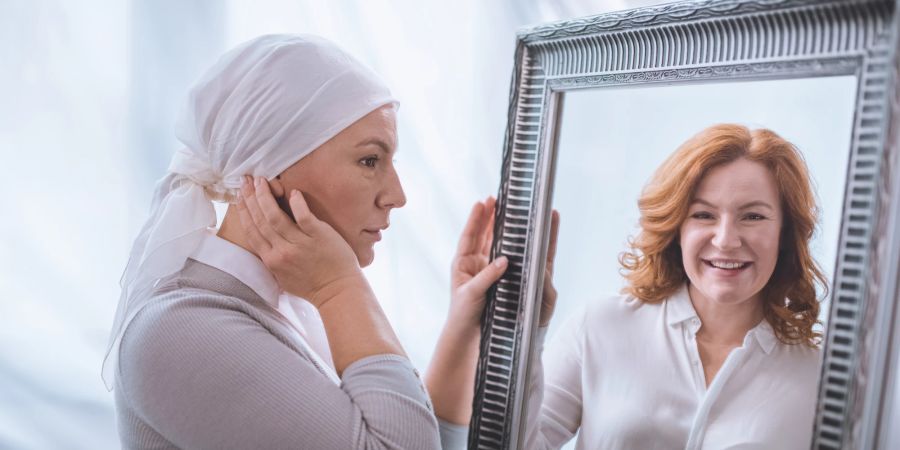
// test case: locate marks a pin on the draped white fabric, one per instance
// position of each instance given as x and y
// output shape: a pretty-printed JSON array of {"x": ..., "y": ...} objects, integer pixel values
[{"x": 90, "y": 92}]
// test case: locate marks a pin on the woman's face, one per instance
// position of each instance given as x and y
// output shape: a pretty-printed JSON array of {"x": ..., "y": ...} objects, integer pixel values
[
  {"x": 730, "y": 238},
  {"x": 350, "y": 181}
]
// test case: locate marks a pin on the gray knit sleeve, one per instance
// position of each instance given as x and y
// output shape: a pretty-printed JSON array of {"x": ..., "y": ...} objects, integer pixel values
[
  {"x": 203, "y": 372},
  {"x": 453, "y": 436}
]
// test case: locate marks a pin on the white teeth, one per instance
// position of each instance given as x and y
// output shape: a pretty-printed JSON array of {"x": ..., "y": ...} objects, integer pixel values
[{"x": 727, "y": 265}]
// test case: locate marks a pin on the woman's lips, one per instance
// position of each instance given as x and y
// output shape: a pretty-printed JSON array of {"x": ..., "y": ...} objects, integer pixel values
[
  {"x": 374, "y": 234},
  {"x": 727, "y": 268}
]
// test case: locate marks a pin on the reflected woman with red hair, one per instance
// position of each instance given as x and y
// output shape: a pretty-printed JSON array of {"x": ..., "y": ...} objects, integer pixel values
[
  {"x": 713, "y": 342},
  {"x": 654, "y": 263}
]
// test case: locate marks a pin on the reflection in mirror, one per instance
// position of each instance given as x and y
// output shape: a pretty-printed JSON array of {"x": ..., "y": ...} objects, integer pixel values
[{"x": 611, "y": 141}]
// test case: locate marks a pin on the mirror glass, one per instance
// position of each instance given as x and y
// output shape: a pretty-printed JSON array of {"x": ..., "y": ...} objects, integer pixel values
[{"x": 612, "y": 139}]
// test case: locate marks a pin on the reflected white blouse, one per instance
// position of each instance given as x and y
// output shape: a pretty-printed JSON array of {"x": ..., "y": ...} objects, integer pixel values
[{"x": 627, "y": 375}]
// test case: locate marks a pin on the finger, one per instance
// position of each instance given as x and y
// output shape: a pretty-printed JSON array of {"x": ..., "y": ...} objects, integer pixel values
[
  {"x": 259, "y": 244},
  {"x": 248, "y": 196},
  {"x": 306, "y": 220},
  {"x": 488, "y": 236},
  {"x": 548, "y": 302},
  {"x": 549, "y": 292},
  {"x": 276, "y": 218},
  {"x": 479, "y": 284},
  {"x": 468, "y": 241},
  {"x": 554, "y": 234}
]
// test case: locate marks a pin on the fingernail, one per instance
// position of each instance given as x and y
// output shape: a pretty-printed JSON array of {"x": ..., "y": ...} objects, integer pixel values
[
  {"x": 500, "y": 262},
  {"x": 257, "y": 181},
  {"x": 294, "y": 193},
  {"x": 243, "y": 181}
]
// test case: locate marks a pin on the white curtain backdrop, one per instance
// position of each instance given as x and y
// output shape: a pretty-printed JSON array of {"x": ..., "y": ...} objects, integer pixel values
[{"x": 88, "y": 96}]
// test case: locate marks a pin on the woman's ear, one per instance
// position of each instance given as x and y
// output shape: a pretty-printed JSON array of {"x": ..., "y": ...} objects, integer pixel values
[
  {"x": 280, "y": 194},
  {"x": 277, "y": 187}
]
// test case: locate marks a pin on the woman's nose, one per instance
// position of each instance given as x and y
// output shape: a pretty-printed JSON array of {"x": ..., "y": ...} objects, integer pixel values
[
  {"x": 392, "y": 196},
  {"x": 726, "y": 236}
]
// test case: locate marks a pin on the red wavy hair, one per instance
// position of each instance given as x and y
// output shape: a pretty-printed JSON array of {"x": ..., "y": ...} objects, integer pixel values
[{"x": 653, "y": 265}]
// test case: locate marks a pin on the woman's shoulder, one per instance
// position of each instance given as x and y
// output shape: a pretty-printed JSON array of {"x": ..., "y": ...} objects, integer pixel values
[
  {"x": 173, "y": 303},
  {"x": 617, "y": 308},
  {"x": 619, "y": 314},
  {"x": 801, "y": 358},
  {"x": 797, "y": 356},
  {"x": 186, "y": 330},
  {"x": 178, "y": 320},
  {"x": 607, "y": 326}
]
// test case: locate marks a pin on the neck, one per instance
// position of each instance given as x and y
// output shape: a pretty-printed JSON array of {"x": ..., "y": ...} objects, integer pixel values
[
  {"x": 725, "y": 324},
  {"x": 232, "y": 231}
]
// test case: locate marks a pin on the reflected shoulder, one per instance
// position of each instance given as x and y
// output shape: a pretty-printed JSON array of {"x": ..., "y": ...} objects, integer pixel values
[{"x": 614, "y": 309}]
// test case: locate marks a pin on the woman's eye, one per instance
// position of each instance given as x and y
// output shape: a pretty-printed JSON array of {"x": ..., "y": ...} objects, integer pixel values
[
  {"x": 754, "y": 216},
  {"x": 369, "y": 161},
  {"x": 701, "y": 215}
]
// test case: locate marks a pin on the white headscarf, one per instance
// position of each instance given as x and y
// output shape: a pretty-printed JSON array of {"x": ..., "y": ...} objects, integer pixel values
[{"x": 262, "y": 107}]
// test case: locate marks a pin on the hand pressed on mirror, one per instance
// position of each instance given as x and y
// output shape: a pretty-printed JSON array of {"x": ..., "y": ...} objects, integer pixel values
[
  {"x": 451, "y": 373},
  {"x": 470, "y": 274},
  {"x": 471, "y": 277}
]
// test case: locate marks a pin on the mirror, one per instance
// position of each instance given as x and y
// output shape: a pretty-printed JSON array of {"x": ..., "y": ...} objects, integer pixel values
[
  {"x": 596, "y": 104},
  {"x": 611, "y": 140}
]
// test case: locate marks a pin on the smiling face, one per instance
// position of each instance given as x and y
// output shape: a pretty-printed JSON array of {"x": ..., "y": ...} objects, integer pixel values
[
  {"x": 350, "y": 182},
  {"x": 730, "y": 238}
]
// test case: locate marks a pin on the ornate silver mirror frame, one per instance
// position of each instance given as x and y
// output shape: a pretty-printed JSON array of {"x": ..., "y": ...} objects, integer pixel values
[{"x": 705, "y": 41}]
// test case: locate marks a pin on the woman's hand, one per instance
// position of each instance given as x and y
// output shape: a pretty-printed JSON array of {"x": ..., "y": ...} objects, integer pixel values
[
  {"x": 309, "y": 259},
  {"x": 548, "y": 302},
  {"x": 451, "y": 375},
  {"x": 471, "y": 275}
]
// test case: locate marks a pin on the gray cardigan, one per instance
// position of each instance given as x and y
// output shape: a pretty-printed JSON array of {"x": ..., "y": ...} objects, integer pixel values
[{"x": 209, "y": 365}]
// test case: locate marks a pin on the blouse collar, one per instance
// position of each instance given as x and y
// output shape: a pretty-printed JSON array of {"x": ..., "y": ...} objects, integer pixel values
[
  {"x": 680, "y": 310},
  {"x": 239, "y": 263},
  {"x": 679, "y": 307}
]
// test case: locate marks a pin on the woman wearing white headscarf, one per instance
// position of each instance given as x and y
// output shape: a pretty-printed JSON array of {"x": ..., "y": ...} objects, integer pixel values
[{"x": 211, "y": 347}]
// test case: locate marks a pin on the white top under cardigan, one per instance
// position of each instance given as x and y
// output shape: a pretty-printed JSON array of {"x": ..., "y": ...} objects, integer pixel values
[
  {"x": 246, "y": 267},
  {"x": 627, "y": 375}
]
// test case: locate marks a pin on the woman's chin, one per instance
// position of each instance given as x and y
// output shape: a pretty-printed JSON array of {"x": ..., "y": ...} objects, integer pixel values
[
  {"x": 365, "y": 257},
  {"x": 727, "y": 294}
]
